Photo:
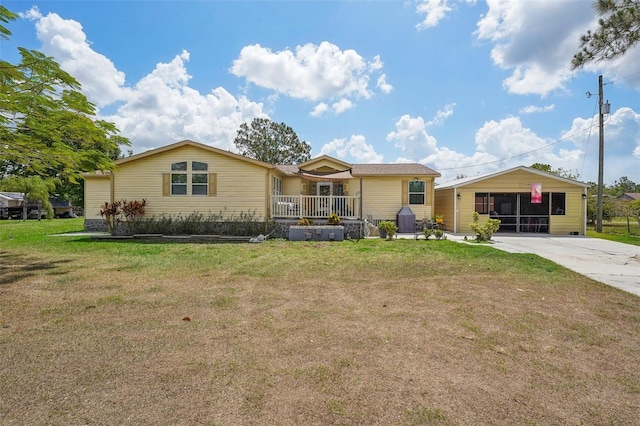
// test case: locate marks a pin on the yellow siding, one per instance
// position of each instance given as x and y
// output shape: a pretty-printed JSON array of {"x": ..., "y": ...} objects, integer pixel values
[
  {"x": 382, "y": 197},
  {"x": 292, "y": 186},
  {"x": 443, "y": 205},
  {"x": 323, "y": 164},
  {"x": 518, "y": 181},
  {"x": 97, "y": 191},
  {"x": 241, "y": 186},
  {"x": 566, "y": 224}
]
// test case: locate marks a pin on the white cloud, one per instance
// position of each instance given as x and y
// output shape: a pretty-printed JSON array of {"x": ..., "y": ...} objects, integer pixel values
[
  {"x": 163, "y": 108},
  {"x": 383, "y": 85},
  {"x": 319, "y": 109},
  {"x": 160, "y": 108},
  {"x": 532, "y": 109},
  {"x": 535, "y": 39},
  {"x": 376, "y": 64},
  {"x": 434, "y": 11},
  {"x": 65, "y": 40},
  {"x": 356, "y": 149},
  {"x": 412, "y": 138},
  {"x": 442, "y": 115},
  {"x": 621, "y": 140},
  {"x": 310, "y": 72},
  {"x": 342, "y": 105},
  {"x": 337, "y": 107},
  {"x": 499, "y": 145}
]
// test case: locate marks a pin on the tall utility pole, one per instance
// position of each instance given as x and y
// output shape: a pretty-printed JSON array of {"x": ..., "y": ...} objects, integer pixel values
[
  {"x": 603, "y": 109},
  {"x": 600, "y": 156}
]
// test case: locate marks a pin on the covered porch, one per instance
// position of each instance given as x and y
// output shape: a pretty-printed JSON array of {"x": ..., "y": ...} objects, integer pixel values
[{"x": 315, "y": 206}]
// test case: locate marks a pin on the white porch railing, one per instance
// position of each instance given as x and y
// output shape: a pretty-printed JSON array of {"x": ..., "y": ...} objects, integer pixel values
[{"x": 315, "y": 206}]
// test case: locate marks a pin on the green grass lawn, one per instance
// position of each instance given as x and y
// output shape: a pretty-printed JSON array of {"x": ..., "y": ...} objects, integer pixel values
[
  {"x": 618, "y": 230},
  {"x": 371, "y": 332}
]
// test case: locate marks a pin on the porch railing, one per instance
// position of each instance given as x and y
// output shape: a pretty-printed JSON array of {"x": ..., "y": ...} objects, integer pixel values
[{"x": 315, "y": 206}]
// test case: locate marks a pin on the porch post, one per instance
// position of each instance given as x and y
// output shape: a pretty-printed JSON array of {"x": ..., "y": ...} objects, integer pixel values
[{"x": 361, "y": 215}]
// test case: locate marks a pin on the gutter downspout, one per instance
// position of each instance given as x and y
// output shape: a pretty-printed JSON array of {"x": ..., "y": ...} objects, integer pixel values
[{"x": 455, "y": 210}]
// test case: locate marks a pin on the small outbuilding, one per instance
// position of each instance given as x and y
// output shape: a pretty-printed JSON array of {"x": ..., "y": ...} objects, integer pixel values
[{"x": 525, "y": 200}]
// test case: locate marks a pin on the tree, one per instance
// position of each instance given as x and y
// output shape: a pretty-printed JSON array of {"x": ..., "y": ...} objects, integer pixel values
[
  {"x": 271, "y": 142},
  {"x": 33, "y": 189},
  {"x": 559, "y": 171},
  {"x": 47, "y": 127},
  {"x": 623, "y": 185},
  {"x": 618, "y": 31},
  {"x": 609, "y": 205},
  {"x": 634, "y": 209}
]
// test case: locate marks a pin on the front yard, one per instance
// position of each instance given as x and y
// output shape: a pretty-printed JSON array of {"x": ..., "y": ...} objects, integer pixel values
[{"x": 355, "y": 332}]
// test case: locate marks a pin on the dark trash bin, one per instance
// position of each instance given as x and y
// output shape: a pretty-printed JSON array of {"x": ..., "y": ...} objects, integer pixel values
[{"x": 406, "y": 220}]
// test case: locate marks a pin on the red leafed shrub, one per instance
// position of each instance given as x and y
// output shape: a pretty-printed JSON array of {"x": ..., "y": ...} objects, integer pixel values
[{"x": 113, "y": 212}]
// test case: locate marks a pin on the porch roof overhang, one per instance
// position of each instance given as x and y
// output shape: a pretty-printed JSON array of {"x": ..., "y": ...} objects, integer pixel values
[{"x": 326, "y": 178}]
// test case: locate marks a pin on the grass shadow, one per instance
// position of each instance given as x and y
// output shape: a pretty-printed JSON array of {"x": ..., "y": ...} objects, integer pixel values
[{"x": 15, "y": 267}]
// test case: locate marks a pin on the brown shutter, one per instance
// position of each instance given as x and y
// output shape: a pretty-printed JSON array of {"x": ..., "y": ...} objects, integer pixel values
[
  {"x": 166, "y": 184},
  {"x": 305, "y": 188},
  {"x": 213, "y": 184},
  {"x": 426, "y": 191},
  {"x": 405, "y": 192},
  {"x": 345, "y": 189}
]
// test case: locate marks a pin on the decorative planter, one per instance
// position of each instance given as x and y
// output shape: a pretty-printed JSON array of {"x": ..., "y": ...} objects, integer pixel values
[{"x": 316, "y": 233}]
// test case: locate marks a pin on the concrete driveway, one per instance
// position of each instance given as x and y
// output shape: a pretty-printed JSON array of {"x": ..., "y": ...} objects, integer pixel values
[{"x": 612, "y": 263}]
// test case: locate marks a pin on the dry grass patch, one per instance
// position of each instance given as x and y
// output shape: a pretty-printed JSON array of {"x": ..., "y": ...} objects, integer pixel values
[{"x": 373, "y": 332}]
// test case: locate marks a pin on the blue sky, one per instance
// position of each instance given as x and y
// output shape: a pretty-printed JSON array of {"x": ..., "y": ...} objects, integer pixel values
[{"x": 464, "y": 87}]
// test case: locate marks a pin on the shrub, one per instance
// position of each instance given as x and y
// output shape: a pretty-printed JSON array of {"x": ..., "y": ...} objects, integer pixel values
[
  {"x": 334, "y": 219},
  {"x": 303, "y": 221},
  {"x": 389, "y": 228},
  {"x": 241, "y": 224},
  {"x": 485, "y": 231},
  {"x": 113, "y": 212}
]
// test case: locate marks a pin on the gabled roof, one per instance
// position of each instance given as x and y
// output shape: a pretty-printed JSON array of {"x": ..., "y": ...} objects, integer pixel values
[
  {"x": 397, "y": 169},
  {"x": 630, "y": 195},
  {"x": 188, "y": 142},
  {"x": 469, "y": 180},
  {"x": 304, "y": 165}
]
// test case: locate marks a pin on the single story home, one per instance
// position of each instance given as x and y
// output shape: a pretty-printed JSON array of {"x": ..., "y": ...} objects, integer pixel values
[
  {"x": 629, "y": 196},
  {"x": 187, "y": 177},
  {"x": 524, "y": 199}
]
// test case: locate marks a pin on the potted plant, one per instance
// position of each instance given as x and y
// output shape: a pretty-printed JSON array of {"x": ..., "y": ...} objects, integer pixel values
[
  {"x": 387, "y": 229},
  {"x": 333, "y": 219},
  {"x": 439, "y": 219}
]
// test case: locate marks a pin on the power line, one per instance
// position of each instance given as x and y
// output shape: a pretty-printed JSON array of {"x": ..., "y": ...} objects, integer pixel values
[{"x": 521, "y": 154}]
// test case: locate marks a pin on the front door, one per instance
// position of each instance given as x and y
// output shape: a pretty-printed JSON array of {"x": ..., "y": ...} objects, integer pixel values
[{"x": 325, "y": 190}]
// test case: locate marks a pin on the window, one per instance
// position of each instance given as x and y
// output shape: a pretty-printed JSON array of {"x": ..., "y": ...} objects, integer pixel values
[
  {"x": 277, "y": 186},
  {"x": 482, "y": 202},
  {"x": 417, "y": 192},
  {"x": 182, "y": 178},
  {"x": 558, "y": 203},
  {"x": 179, "y": 180},
  {"x": 199, "y": 181}
]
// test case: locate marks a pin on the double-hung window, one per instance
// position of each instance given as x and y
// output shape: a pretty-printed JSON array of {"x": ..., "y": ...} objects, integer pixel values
[
  {"x": 199, "y": 178},
  {"x": 179, "y": 178},
  {"x": 189, "y": 178},
  {"x": 417, "y": 191}
]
